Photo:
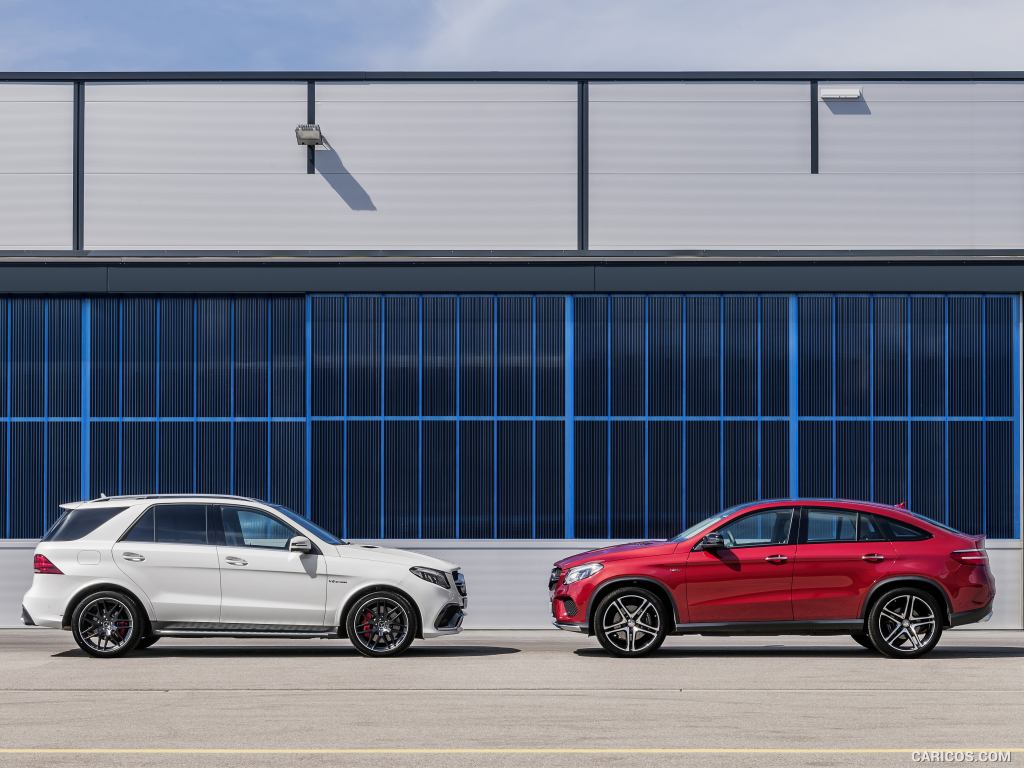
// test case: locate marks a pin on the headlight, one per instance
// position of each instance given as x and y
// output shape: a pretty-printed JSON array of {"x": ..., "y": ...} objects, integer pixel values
[
  {"x": 429, "y": 574},
  {"x": 581, "y": 572}
]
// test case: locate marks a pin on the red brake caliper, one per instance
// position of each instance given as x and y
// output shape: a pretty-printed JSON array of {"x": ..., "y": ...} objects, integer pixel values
[
  {"x": 122, "y": 628},
  {"x": 367, "y": 627}
]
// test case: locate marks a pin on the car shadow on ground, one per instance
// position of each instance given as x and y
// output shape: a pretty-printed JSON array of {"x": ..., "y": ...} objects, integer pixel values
[
  {"x": 981, "y": 652},
  {"x": 171, "y": 651}
]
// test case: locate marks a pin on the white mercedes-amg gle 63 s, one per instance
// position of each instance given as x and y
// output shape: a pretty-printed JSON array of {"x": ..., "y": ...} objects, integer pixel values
[{"x": 124, "y": 571}]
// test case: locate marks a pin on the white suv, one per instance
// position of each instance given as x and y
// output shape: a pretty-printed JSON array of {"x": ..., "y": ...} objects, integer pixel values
[{"x": 124, "y": 571}]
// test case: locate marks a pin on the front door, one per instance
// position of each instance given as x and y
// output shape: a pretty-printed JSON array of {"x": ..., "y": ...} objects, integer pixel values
[
  {"x": 751, "y": 578},
  {"x": 262, "y": 582}
]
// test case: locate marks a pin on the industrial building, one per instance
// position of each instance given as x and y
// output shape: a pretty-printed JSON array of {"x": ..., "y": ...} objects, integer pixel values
[{"x": 505, "y": 317}]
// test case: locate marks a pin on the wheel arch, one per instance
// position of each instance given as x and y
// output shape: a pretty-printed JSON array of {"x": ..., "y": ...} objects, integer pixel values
[
  {"x": 647, "y": 582},
  {"x": 104, "y": 586},
  {"x": 920, "y": 582},
  {"x": 362, "y": 591}
]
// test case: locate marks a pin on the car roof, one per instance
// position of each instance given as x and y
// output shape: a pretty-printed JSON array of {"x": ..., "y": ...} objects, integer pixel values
[
  {"x": 810, "y": 502},
  {"x": 114, "y": 500}
]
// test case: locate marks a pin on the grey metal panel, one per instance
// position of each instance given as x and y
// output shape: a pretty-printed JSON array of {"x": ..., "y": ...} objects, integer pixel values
[
  {"x": 35, "y": 210},
  {"x": 924, "y": 128},
  {"x": 201, "y": 128},
  {"x": 773, "y": 211},
  {"x": 35, "y": 128},
  {"x": 699, "y": 128},
  {"x": 299, "y": 211},
  {"x": 470, "y": 92}
]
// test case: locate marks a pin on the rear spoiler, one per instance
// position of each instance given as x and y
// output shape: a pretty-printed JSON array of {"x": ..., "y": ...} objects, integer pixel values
[{"x": 73, "y": 505}]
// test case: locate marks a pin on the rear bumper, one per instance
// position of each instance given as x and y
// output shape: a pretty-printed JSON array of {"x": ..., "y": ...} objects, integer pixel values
[
  {"x": 971, "y": 617},
  {"x": 26, "y": 619}
]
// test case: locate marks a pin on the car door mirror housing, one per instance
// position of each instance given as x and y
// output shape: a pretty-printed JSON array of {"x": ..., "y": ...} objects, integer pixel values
[
  {"x": 300, "y": 544},
  {"x": 712, "y": 541}
]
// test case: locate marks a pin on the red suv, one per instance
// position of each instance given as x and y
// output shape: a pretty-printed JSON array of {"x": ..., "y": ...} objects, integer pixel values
[{"x": 889, "y": 578}]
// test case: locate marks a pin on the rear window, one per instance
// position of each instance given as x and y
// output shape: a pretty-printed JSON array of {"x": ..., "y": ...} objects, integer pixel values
[{"x": 78, "y": 523}]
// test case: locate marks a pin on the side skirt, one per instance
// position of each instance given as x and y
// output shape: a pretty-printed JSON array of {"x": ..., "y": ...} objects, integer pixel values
[
  {"x": 828, "y": 627},
  {"x": 212, "y": 629}
]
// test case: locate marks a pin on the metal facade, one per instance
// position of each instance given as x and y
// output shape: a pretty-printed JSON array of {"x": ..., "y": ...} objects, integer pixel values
[{"x": 514, "y": 416}]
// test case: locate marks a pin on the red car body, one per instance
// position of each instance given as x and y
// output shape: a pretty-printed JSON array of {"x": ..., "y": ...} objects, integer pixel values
[{"x": 791, "y": 588}]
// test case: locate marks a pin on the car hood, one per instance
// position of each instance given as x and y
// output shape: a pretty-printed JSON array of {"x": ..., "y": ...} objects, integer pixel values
[
  {"x": 617, "y": 552},
  {"x": 393, "y": 556}
]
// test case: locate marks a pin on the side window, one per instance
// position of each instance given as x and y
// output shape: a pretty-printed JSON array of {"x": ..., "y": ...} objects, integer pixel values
[
  {"x": 905, "y": 531},
  {"x": 828, "y": 525},
  {"x": 181, "y": 523},
  {"x": 143, "y": 530},
  {"x": 758, "y": 529},
  {"x": 871, "y": 528},
  {"x": 244, "y": 527}
]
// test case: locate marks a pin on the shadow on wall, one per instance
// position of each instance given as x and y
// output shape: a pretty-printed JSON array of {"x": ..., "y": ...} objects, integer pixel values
[
  {"x": 850, "y": 107},
  {"x": 328, "y": 164}
]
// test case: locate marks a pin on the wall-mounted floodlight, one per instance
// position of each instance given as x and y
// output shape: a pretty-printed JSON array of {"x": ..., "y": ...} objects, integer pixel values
[
  {"x": 832, "y": 92},
  {"x": 308, "y": 135}
]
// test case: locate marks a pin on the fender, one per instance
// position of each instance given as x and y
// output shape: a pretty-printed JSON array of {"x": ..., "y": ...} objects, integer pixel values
[
  {"x": 601, "y": 588},
  {"x": 356, "y": 594},
  {"x": 99, "y": 586},
  {"x": 880, "y": 585}
]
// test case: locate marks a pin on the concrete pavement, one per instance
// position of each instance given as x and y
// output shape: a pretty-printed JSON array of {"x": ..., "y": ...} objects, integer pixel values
[{"x": 506, "y": 693}]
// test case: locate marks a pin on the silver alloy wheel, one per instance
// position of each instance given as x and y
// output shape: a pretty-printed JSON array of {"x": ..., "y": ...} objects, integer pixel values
[
  {"x": 631, "y": 623},
  {"x": 382, "y": 625},
  {"x": 105, "y": 624},
  {"x": 906, "y": 623}
]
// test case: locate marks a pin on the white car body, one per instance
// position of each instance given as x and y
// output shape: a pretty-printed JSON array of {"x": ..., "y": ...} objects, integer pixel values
[{"x": 189, "y": 589}]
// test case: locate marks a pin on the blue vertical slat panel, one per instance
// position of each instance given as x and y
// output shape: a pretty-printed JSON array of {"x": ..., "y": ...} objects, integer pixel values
[
  {"x": 550, "y": 362},
  {"x": 287, "y": 358},
  {"x": 401, "y": 357},
  {"x": 928, "y": 468},
  {"x": 966, "y": 477},
  {"x": 176, "y": 359},
  {"x": 364, "y": 476},
  {"x": 703, "y": 353},
  {"x": 440, "y": 345},
  {"x": 550, "y": 481},
  {"x": 890, "y": 462},
  {"x": 515, "y": 519},
  {"x": 890, "y": 351},
  {"x": 627, "y": 480},
  {"x": 27, "y": 479},
  {"x": 927, "y": 359},
  {"x": 250, "y": 459},
  {"x": 703, "y": 487},
  {"x": 5, "y": 516},
  {"x": 1000, "y": 493},
  {"x": 476, "y": 479},
  {"x": 103, "y": 459},
  {"x": 515, "y": 355},
  {"x": 999, "y": 356},
  {"x": 665, "y": 494},
  {"x": 739, "y": 364},
  {"x": 104, "y": 358},
  {"x": 213, "y": 462},
  {"x": 774, "y": 356},
  {"x": 65, "y": 358},
  {"x": 853, "y": 459},
  {"x": 476, "y": 355},
  {"x": 590, "y": 363},
  {"x": 774, "y": 459},
  {"x": 815, "y": 360},
  {"x": 328, "y": 361},
  {"x": 213, "y": 357},
  {"x": 251, "y": 348},
  {"x": 853, "y": 359},
  {"x": 287, "y": 464},
  {"x": 176, "y": 456},
  {"x": 439, "y": 479},
  {"x": 328, "y": 487},
  {"x": 364, "y": 363},
  {"x": 740, "y": 452},
  {"x": 138, "y": 364},
  {"x": 590, "y": 479},
  {"x": 63, "y": 463},
  {"x": 627, "y": 356},
  {"x": 401, "y": 481},
  {"x": 665, "y": 339},
  {"x": 966, "y": 349},
  {"x": 28, "y": 357},
  {"x": 138, "y": 455},
  {"x": 815, "y": 459}
]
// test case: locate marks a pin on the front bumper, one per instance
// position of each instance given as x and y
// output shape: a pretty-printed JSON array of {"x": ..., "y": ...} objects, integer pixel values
[{"x": 572, "y": 627}]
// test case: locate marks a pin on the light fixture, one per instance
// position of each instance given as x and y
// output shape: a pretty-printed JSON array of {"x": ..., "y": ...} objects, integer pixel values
[
  {"x": 308, "y": 135},
  {"x": 832, "y": 92}
]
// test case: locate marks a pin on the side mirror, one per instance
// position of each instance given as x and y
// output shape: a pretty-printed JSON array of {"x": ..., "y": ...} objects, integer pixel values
[
  {"x": 712, "y": 541},
  {"x": 300, "y": 544}
]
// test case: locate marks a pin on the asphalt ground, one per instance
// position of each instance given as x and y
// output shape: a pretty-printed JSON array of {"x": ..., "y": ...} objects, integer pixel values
[{"x": 538, "y": 699}]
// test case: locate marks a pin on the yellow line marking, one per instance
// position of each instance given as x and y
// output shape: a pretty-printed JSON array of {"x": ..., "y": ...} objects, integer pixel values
[{"x": 487, "y": 750}]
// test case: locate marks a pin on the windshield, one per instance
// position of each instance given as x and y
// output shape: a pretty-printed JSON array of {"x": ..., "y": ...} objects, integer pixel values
[
  {"x": 696, "y": 528},
  {"x": 327, "y": 536}
]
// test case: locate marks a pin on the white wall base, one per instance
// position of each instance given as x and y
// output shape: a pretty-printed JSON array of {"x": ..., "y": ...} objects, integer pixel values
[{"x": 508, "y": 579}]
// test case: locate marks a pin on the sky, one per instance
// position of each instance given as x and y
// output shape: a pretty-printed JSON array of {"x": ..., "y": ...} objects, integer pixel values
[{"x": 98, "y": 35}]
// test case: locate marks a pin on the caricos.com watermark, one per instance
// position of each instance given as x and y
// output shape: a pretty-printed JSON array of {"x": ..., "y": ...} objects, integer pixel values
[{"x": 960, "y": 756}]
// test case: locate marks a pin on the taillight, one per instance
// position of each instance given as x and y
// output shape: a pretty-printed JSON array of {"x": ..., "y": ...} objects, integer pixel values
[
  {"x": 42, "y": 564},
  {"x": 970, "y": 556}
]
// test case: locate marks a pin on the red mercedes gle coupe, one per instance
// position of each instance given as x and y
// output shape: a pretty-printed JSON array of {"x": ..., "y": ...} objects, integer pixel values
[{"x": 889, "y": 578}]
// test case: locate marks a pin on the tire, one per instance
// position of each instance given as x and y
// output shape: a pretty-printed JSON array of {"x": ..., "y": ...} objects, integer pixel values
[
  {"x": 146, "y": 641},
  {"x": 905, "y": 623},
  {"x": 381, "y": 624},
  {"x": 631, "y": 622},
  {"x": 107, "y": 624},
  {"x": 862, "y": 639}
]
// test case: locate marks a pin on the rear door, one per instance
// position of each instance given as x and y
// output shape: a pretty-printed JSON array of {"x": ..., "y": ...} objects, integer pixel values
[
  {"x": 169, "y": 554},
  {"x": 840, "y": 553}
]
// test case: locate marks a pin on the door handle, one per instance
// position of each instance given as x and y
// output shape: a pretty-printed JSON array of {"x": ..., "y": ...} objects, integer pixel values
[
  {"x": 232, "y": 560},
  {"x": 873, "y": 557},
  {"x": 776, "y": 559},
  {"x": 135, "y": 557}
]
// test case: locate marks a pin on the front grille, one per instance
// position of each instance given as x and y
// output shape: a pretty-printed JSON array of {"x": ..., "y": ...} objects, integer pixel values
[
  {"x": 556, "y": 574},
  {"x": 460, "y": 582}
]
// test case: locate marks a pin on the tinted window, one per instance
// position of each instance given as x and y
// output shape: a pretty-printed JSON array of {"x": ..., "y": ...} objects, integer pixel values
[
  {"x": 905, "y": 532},
  {"x": 181, "y": 523},
  {"x": 769, "y": 526},
  {"x": 830, "y": 525},
  {"x": 244, "y": 527},
  {"x": 871, "y": 529},
  {"x": 143, "y": 528},
  {"x": 76, "y": 523}
]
